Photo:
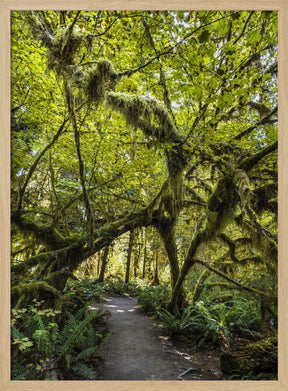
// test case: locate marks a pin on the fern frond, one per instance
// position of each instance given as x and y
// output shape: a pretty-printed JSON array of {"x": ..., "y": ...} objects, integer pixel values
[
  {"x": 74, "y": 334},
  {"x": 84, "y": 371},
  {"x": 16, "y": 333},
  {"x": 87, "y": 353}
]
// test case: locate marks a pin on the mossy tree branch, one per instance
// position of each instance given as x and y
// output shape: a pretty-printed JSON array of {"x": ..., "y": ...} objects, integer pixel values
[
  {"x": 263, "y": 121},
  {"x": 248, "y": 163},
  {"x": 223, "y": 275}
]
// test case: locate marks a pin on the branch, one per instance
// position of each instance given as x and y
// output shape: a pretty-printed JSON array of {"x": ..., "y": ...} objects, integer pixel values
[
  {"x": 232, "y": 247},
  {"x": 162, "y": 79},
  {"x": 261, "y": 122},
  {"x": 46, "y": 234},
  {"x": 223, "y": 275},
  {"x": 35, "y": 163},
  {"x": 130, "y": 72},
  {"x": 244, "y": 27},
  {"x": 248, "y": 163},
  {"x": 78, "y": 250},
  {"x": 70, "y": 102},
  {"x": 195, "y": 197}
]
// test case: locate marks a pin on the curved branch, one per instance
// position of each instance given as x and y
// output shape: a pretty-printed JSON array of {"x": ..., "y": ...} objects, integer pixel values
[
  {"x": 248, "y": 163},
  {"x": 223, "y": 275},
  {"x": 35, "y": 163},
  {"x": 76, "y": 252},
  {"x": 263, "y": 121}
]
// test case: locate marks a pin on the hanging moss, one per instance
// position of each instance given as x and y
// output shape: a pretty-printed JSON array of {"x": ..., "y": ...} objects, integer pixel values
[
  {"x": 132, "y": 107},
  {"x": 66, "y": 43},
  {"x": 224, "y": 196},
  {"x": 162, "y": 118},
  {"x": 242, "y": 182},
  {"x": 221, "y": 207},
  {"x": 100, "y": 79},
  {"x": 147, "y": 114},
  {"x": 265, "y": 244},
  {"x": 37, "y": 28}
]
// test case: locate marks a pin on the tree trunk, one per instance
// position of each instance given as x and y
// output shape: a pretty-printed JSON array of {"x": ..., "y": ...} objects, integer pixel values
[
  {"x": 130, "y": 248},
  {"x": 103, "y": 265},
  {"x": 156, "y": 276},
  {"x": 166, "y": 230},
  {"x": 144, "y": 254},
  {"x": 98, "y": 263},
  {"x": 137, "y": 255}
]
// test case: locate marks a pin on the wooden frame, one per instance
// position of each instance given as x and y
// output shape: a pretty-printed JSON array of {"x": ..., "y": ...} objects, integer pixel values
[{"x": 5, "y": 8}]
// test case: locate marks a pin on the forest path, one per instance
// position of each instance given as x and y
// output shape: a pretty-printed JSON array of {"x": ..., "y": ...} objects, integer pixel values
[{"x": 139, "y": 350}]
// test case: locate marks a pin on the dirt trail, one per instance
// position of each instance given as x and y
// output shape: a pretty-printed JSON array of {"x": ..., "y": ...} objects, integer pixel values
[{"x": 139, "y": 350}]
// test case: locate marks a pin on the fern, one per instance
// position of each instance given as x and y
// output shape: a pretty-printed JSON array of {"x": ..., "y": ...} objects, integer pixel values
[
  {"x": 70, "y": 335},
  {"x": 16, "y": 333},
  {"x": 84, "y": 371},
  {"x": 41, "y": 337},
  {"x": 19, "y": 372},
  {"x": 87, "y": 353},
  {"x": 176, "y": 326}
]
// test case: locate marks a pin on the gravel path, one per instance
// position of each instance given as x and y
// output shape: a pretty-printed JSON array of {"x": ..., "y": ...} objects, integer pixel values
[{"x": 139, "y": 350}]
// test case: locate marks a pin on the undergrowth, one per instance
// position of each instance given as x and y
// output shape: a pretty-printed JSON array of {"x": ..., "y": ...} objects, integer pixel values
[{"x": 49, "y": 344}]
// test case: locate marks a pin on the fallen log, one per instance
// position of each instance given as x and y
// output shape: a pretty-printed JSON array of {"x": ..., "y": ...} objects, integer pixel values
[{"x": 257, "y": 360}]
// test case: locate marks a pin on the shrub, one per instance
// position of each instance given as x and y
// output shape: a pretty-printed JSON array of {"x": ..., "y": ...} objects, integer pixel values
[
  {"x": 153, "y": 298},
  {"x": 176, "y": 327}
]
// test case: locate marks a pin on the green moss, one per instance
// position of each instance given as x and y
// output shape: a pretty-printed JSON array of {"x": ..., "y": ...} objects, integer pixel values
[
  {"x": 221, "y": 207},
  {"x": 23, "y": 293},
  {"x": 265, "y": 244},
  {"x": 100, "y": 79},
  {"x": 242, "y": 182},
  {"x": 66, "y": 43},
  {"x": 132, "y": 107},
  {"x": 147, "y": 114},
  {"x": 256, "y": 359},
  {"x": 58, "y": 279}
]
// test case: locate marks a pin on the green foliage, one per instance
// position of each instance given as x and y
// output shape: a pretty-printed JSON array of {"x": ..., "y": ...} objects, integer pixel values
[
  {"x": 175, "y": 326},
  {"x": 214, "y": 323},
  {"x": 118, "y": 287},
  {"x": 152, "y": 298},
  {"x": 198, "y": 90},
  {"x": 43, "y": 350},
  {"x": 84, "y": 291},
  {"x": 243, "y": 317}
]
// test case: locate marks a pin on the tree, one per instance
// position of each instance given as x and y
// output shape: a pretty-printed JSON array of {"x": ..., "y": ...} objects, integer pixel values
[{"x": 132, "y": 119}]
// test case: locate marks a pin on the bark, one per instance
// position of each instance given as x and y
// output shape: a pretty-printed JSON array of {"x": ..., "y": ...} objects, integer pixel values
[
  {"x": 144, "y": 253},
  {"x": 156, "y": 275},
  {"x": 129, "y": 254},
  {"x": 104, "y": 264},
  {"x": 70, "y": 103},
  {"x": 166, "y": 230}
]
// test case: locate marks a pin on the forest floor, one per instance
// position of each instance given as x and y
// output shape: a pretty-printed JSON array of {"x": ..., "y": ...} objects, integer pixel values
[{"x": 139, "y": 349}]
